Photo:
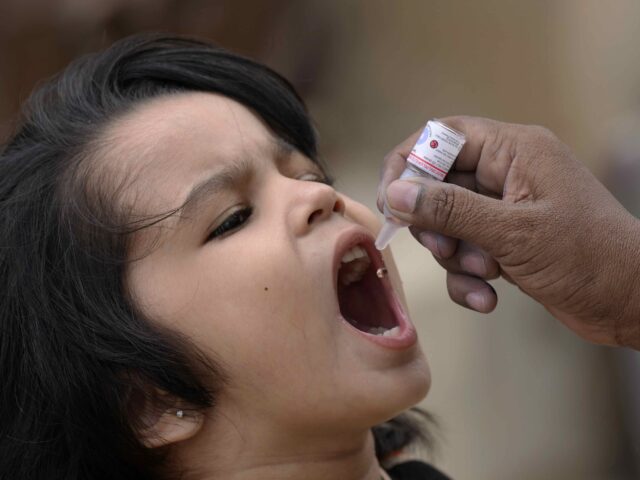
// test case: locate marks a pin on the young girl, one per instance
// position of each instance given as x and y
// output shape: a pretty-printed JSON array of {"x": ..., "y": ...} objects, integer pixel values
[{"x": 184, "y": 295}]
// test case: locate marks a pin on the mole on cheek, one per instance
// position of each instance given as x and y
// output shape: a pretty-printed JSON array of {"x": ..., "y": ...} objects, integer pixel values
[{"x": 266, "y": 289}]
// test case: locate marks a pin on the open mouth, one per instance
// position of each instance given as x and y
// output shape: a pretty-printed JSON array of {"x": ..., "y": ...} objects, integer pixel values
[{"x": 362, "y": 296}]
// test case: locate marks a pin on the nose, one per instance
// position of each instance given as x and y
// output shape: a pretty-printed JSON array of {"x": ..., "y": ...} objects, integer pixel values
[{"x": 312, "y": 204}]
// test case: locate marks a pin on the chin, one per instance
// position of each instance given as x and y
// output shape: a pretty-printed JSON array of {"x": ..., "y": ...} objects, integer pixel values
[
  {"x": 415, "y": 385},
  {"x": 399, "y": 391}
]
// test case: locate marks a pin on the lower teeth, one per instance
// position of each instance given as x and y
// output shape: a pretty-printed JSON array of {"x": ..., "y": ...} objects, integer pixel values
[{"x": 385, "y": 332}]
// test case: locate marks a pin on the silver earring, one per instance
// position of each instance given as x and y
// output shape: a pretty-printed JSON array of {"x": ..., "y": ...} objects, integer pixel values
[
  {"x": 180, "y": 413},
  {"x": 381, "y": 272}
]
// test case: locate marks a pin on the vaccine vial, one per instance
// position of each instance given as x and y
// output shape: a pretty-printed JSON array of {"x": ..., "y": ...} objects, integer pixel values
[{"x": 432, "y": 156}]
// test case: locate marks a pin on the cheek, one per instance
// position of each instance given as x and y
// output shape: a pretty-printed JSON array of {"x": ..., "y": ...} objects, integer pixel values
[
  {"x": 262, "y": 331},
  {"x": 246, "y": 305}
]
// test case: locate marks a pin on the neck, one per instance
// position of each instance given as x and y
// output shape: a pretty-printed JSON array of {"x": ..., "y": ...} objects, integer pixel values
[{"x": 253, "y": 453}]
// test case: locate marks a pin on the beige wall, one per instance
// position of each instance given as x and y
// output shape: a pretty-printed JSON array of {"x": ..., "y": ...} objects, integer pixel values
[{"x": 517, "y": 394}]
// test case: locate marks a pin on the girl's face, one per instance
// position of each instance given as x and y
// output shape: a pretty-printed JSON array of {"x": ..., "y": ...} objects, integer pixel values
[{"x": 251, "y": 269}]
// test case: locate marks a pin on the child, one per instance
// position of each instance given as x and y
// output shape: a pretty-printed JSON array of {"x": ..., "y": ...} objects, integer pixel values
[{"x": 184, "y": 293}]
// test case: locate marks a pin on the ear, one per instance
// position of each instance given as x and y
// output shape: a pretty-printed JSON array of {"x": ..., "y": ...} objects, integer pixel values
[{"x": 169, "y": 426}]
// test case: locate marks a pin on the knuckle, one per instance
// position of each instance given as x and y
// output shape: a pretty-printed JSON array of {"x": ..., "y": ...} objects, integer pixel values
[
  {"x": 501, "y": 141},
  {"x": 386, "y": 172},
  {"x": 391, "y": 163},
  {"x": 541, "y": 145},
  {"x": 542, "y": 137},
  {"x": 540, "y": 131},
  {"x": 388, "y": 158}
]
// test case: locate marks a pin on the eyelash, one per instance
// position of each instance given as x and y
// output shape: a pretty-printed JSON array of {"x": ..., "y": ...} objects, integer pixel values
[
  {"x": 232, "y": 222},
  {"x": 317, "y": 178},
  {"x": 239, "y": 217}
]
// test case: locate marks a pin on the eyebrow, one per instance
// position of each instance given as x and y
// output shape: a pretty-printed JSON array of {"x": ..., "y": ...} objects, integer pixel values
[{"x": 229, "y": 177}]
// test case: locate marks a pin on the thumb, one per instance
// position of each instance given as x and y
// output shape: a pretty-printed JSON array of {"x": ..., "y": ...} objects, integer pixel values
[{"x": 451, "y": 210}]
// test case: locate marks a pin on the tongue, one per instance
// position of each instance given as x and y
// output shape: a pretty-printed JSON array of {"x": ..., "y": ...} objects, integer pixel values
[{"x": 364, "y": 303}]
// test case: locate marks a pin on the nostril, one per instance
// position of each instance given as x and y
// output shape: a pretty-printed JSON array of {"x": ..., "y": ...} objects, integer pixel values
[
  {"x": 337, "y": 207},
  {"x": 315, "y": 214}
]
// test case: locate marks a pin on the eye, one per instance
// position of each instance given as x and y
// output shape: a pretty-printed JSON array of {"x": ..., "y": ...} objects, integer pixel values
[
  {"x": 231, "y": 223},
  {"x": 315, "y": 177}
]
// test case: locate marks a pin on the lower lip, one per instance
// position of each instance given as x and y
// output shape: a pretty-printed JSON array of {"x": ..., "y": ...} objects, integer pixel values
[{"x": 406, "y": 336}]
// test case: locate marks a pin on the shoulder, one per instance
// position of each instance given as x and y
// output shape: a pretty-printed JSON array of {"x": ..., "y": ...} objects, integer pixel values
[
  {"x": 415, "y": 470},
  {"x": 407, "y": 447},
  {"x": 409, "y": 463}
]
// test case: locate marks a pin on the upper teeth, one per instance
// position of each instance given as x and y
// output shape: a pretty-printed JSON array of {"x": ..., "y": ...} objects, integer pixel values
[
  {"x": 353, "y": 254},
  {"x": 358, "y": 262}
]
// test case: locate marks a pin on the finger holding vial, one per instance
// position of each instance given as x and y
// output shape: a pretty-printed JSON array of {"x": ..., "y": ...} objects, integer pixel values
[
  {"x": 458, "y": 256},
  {"x": 441, "y": 246},
  {"x": 471, "y": 292},
  {"x": 430, "y": 154},
  {"x": 430, "y": 159},
  {"x": 461, "y": 260}
]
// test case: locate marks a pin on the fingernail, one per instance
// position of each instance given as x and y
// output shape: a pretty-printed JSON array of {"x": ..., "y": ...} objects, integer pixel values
[
  {"x": 476, "y": 301},
  {"x": 430, "y": 240},
  {"x": 401, "y": 196},
  {"x": 474, "y": 263}
]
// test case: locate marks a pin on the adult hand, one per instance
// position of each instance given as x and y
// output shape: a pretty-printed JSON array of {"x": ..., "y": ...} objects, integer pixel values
[{"x": 517, "y": 203}]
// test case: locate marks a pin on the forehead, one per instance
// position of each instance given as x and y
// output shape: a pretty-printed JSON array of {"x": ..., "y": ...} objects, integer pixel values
[{"x": 172, "y": 142}]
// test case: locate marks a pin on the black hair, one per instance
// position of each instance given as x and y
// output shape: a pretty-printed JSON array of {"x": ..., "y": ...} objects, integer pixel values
[{"x": 76, "y": 355}]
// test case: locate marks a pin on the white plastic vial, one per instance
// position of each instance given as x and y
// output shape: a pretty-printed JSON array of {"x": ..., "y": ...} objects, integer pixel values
[{"x": 431, "y": 156}]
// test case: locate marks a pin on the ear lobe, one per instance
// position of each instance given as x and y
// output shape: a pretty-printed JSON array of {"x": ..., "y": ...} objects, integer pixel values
[{"x": 170, "y": 426}]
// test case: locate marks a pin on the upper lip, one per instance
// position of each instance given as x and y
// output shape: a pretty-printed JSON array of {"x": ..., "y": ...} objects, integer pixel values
[{"x": 348, "y": 239}]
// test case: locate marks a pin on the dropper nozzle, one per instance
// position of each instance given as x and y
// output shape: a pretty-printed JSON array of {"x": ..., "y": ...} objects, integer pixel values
[
  {"x": 391, "y": 225},
  {"x": 389, "y": 229}
]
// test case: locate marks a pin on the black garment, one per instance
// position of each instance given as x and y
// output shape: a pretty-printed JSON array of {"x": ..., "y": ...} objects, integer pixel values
[{"x": 415, "y": 470}]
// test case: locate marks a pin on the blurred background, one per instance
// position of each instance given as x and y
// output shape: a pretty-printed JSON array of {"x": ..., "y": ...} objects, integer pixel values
[{"x": 518, "y": 396}]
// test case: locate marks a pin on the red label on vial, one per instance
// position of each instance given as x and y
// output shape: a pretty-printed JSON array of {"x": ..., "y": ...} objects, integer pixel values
[{"x": 436, "y": 149}]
